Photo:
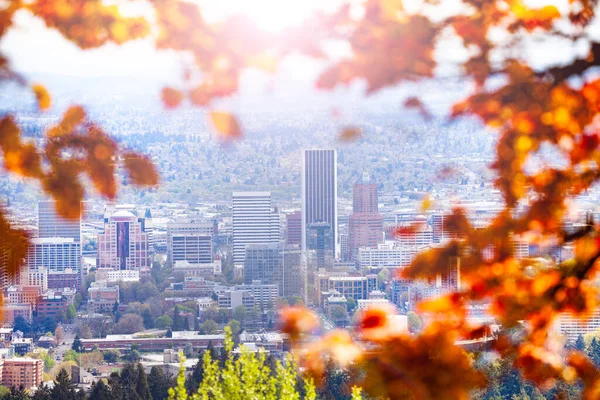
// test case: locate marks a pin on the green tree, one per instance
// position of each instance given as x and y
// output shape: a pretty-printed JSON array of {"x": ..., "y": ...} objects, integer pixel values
[
  {"x": 16, "y": 394},
  {"x": 77, "y": 300},
  {"x": 243, "y": 377},
  {"x": 159, "y": 383},
  {"x": 209, "y": 327},
  {"x": 77, "y": 345},
  {"x": 63, "y": 388},
  {"x": 580, "y": 343},
  {"x": 350, "y": 304},
  {"x": 240, "y": 313},
  {"x": 178, "y": 323},
  {"x": 71, "y": 312},
  {"x": 414, "y": 322},
  {"x": 100, "y": 391},
  {"x": 111, "y": 356},
  {"x": 128, "y": 379},
  {"x": 147, "y": 317},
  {"x": 162, "y": 322},
  {"x": 42, "y": 393},
  {"x": 142, "y": 388},
  {"x": 593, "y": 351}
]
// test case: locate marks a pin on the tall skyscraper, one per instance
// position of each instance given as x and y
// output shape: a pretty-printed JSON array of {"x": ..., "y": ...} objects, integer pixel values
[
  {"x": 254, "y": 222},
  {"x": 124, "y": 243},
  {"x": 365, "y": 223},
  {"x": 319, "y": 198},
  {"x": 51, "y": 225}
]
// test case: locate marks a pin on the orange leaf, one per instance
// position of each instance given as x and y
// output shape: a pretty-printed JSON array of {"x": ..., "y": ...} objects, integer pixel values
[
  {"x": 43, "y": 97},
  {"x": 350, "y": 133},
  {"x": 225, "y": 124},
  {"x": 140, "y": 169},
  {"x": 172, "y": 98}
]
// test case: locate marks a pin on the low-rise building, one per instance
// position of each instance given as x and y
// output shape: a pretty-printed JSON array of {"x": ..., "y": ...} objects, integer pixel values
[
  {"x": 52, "y": 305},
  {"x": 11, "y": 311},
  {"x": 21, "y": 294},
  {"x": 101, "y": 298},
  {"x": 145, "y": 343},
  {"x": 197, "y": 269},
  {"x": 21, "y": 345}
]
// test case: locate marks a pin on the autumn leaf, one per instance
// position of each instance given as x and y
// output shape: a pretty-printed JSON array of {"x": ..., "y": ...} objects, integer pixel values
[
  {"x": 350, "y": 133},
  {"x": 171, "y": 98},
  {"x": 140, "y": 169},
  {"x": 415, "y": 102},
  {"x": 225, "y": 124},
  {"x": 42, "y": 96}
]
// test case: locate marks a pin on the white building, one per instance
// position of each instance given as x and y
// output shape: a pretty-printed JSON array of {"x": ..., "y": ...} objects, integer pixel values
[
  {"x": 57, "y": 254},
  {"x": 190, "y": 235},
  {"x": 51, "y": 225},
  {"x": 571, "y": 326},
  {"x": 254, "y": 222}
]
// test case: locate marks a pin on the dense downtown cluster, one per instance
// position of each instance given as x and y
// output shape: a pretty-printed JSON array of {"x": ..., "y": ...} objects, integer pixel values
[{"x": 533, "y": 110}]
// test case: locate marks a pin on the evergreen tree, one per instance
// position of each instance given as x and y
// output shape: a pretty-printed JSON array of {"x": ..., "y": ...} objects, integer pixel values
[
  {"x": 63, "y": 388},
  {"x": 594, "y": 351},
  {"x": 77, "y": 345},
  {"x": 42, "y": 393},
  {"x": 128, "y": 380},
  {"x": 193, "y": 381},
  {"x": 580, "y": 343},
  {"x": 212, "y": 350},
  {"x": 116, "y": 389},
  {"x": 141, "y": 387},
  {"x": 159, "y": 384},
  {"x": 177, "y": 320},
  {"x": 17, "y": 394},
  {"x": 100, "y": 391},
  {"x": 148, "y": 320}
]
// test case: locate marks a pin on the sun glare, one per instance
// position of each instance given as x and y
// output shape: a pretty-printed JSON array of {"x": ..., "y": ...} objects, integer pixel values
[{"x": 270, "y": 15}]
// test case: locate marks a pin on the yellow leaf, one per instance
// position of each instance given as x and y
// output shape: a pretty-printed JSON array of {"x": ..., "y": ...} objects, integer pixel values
[
  {"x": 426, "y": 204},
  {"x": 225, "y": 124},
  {"x": 42, "y": 95}
]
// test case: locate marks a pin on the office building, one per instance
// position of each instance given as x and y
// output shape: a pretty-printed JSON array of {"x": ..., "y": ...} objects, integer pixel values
[
  {"x": 191, "y": 247},
  {"x": 344, "y": 248},
  {"x": 276, "y": 264},
  {"x": 356, "y": 287},
  {"x": 33, "y": 277},
  {"x": 293, "y": 228},
  {"x": 572, "y": 325},
  {"x": 263, "y": 263},
  {"x": 52, "y": 225},
  {"x": 185, "y": 229},
  {"x": 254, "y": 222},
  {"x": 365, "y": 222},
  {"x": 124, "y": 243},
  {"x": 319, "y": 201},
  {"x": 320, "y": 242},
  {"x": 56, "y": 254}
]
